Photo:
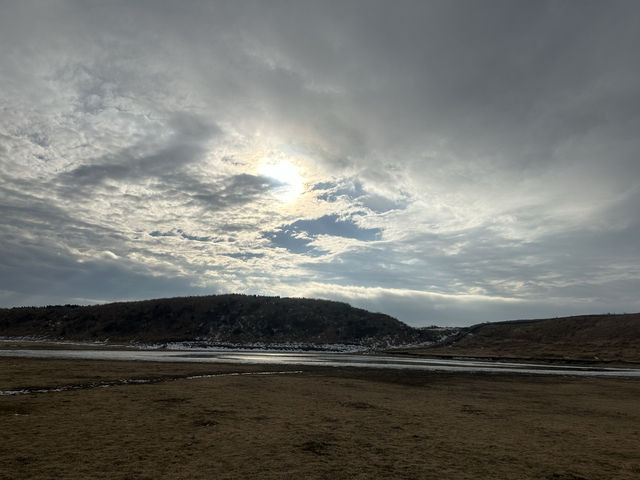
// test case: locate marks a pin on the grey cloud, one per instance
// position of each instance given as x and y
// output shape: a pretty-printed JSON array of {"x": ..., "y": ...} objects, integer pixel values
[
  {"x": 234, "y": 190},
  {"x": 244, "y": 256},
  {"x": 195, "y": 238},
  {"x": 156, "y": 233},
  {"x": 185, "y": 147},
  {"x": 32, "y": 217},
  {"x": 505, "y": 85},
  {"x": 482, "y": 262},
  {"x": 131, "y": 167},
  {"x": 36, "y": 276},
  {"x": 495, "y": 144},
  {"x": 179, "y": 232},
  {"x": 511, "y": 73},
  {"x": 420, "y": 310}
]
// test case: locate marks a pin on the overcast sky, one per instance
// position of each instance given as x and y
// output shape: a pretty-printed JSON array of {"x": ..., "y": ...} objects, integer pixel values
[{"x": 445, "y": 162}]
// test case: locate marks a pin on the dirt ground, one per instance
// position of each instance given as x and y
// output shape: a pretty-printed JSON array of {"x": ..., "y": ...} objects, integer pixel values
[{"x": 317, "y": 424}]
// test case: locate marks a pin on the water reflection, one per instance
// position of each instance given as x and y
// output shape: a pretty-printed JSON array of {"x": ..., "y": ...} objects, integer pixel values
[{"x": 324, "y": 359}]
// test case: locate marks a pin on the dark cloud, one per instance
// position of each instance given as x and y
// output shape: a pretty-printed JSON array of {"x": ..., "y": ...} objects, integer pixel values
[
  {"x": 234, "y": 190},
  {"x": 28, "y": 219},
  {"x": 38, "y": 276},
  {"x": 185, "y": 146},
  {"x": 194, "y": 238},
  {"x": 156, "y": 233},
  {"x": 244, "y": 256}
]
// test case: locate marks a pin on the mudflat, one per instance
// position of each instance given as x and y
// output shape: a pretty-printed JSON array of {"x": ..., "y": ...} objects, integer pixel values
[{"x": 315, "y": 423}]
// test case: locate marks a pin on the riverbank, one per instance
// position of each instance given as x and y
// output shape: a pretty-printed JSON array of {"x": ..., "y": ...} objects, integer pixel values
[{"x": 320, "y": 423}]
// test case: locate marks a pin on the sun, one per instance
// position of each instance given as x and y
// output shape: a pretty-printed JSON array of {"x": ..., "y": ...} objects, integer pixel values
[{"x": 286, "y": 176}]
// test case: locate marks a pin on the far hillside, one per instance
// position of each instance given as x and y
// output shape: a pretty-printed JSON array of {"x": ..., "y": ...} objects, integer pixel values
[
  {"x": 607, "y": 338},
  {"x": 241, "y": 320}
]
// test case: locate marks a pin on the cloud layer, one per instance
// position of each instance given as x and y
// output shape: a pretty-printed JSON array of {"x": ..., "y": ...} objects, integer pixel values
[{"x": 461, "y": 161}]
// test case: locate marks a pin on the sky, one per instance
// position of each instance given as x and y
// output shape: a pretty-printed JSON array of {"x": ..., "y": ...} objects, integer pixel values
[{"x": 445, "y": 162}]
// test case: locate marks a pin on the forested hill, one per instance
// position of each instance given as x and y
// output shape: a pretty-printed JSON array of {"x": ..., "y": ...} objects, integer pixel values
[{"x": 218, "y": 319}]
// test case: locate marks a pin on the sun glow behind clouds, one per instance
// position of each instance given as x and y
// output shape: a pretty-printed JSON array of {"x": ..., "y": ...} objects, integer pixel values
[{"x": 289, "y": 183}]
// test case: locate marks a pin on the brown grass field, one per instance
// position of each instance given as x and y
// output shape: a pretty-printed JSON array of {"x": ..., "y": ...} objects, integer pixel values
[
  {"x": 324, "y": 423},
  {"x": 598, "y": 339}
]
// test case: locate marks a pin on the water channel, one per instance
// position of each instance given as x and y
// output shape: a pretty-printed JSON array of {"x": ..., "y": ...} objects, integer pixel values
[{"x": 326, "y": 360}]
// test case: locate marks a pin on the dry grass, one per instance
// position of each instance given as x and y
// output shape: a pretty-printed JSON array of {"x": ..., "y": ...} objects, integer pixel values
[
  {"x": 613, "y": 339},
  {"x": 321, "y": 424}
]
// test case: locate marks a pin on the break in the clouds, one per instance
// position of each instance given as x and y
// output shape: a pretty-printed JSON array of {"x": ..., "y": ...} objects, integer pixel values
[{"x": 446, "y": 162}]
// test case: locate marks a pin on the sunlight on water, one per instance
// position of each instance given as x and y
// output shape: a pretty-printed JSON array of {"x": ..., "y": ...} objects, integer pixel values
[{"x": 326, "y": 359}]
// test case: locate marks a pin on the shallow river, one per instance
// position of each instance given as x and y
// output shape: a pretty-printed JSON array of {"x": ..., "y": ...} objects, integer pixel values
[{"x": 324, "y": 359}]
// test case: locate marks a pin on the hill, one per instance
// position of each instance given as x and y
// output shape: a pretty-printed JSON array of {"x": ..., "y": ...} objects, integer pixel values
[
  {"x": 218, "y": 319},
  {"x": 590, "y": 337}
]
